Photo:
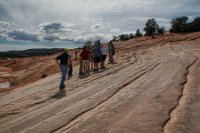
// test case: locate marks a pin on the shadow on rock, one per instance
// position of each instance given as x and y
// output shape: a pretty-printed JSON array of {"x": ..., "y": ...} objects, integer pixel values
[
  {"x": 60, "y": 94},
  {"x": 82, "y": 76},
  {"x": 69, "y": 77}
]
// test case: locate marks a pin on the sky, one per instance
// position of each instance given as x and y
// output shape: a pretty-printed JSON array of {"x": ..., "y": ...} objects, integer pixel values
[{"x": 69, "y": 23}]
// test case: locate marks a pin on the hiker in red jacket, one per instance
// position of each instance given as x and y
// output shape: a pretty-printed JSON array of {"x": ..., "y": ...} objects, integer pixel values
[{"x": 85, "y": 56}]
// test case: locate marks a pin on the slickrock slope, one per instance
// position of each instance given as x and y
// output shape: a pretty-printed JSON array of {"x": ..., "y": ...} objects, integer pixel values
[{"x": 154, "y": 87}]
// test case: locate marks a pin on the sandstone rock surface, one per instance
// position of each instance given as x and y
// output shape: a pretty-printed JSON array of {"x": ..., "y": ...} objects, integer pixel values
[{"x": 154, "y": 87}]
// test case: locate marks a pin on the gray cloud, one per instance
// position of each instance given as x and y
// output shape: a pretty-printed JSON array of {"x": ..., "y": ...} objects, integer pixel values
[
  {"x": 97, "y": 26},
  {"x": 51, "y": 27},
  {"x": 51, "y": 37},
  {"x": 22, "y": 35}
]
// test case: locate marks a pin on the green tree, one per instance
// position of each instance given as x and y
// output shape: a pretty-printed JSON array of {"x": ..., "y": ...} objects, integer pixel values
[
  {"x": 138, "y": 34},
  {"x": 179, "y": 25},
  {"x": 151, "y": 27},
  {"x": 131, "y": 36},
  {"x": 161, "y": 30},
  {"x": 88, "y": 44},
  {"x": 121, "y": 37},
  {"x": 115, "y": 38},
  {"x": 196, "y": 24},
  {"x": 126, "y": 37}
]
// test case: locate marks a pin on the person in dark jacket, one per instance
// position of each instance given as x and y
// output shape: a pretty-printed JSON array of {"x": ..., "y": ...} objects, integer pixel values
[
  {"x": 63, "y": 61},
  {"x": 111, "y": 51},
  {"x": 96, "y": 57}
]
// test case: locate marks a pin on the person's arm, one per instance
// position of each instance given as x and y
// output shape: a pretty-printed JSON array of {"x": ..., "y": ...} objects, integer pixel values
[
  {"x": 81, "y": 55},
  {"x": 68, "y": 61},
  {"x": 100, "y": 51},
  {"x": 100, "y": 54},
  {"x": 56, "y": 59}
]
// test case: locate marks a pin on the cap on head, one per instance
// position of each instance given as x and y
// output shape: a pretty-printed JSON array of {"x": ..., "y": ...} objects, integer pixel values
[{"x": 65, "y": 49}]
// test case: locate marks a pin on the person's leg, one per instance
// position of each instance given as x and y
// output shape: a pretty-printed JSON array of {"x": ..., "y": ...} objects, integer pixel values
[
  {"x": 112, "y": 59},
  {"x": 75, "y": 57},
  {"x": 103, "y": 61},
  {"x": 92, "y": 65},
  {"x": 110, "y": 56},
  {"x": 64, "y": 71},
  {"x": 83, "y": 66},
  {"x": 95, "y": 66},
  {"x": 95, "y": 63},
  {"x": 70, "y": 71},
  {"x": 87, "y": 66},
  {"x": 98, "y": 61},
  {"x": 80, "y": 68},
  {"x": 103, "y": 64}
]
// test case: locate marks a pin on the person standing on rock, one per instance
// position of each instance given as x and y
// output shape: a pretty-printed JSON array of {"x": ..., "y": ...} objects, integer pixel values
[
  {"x": 63, "y": 61},
  {"x": 111, "y": 51},
  {"x": 103, "y": 51},
  {"x": 96, "y": 55},
  {"x": 91, "y": 65},
  {"x": 85, "y": 55}
]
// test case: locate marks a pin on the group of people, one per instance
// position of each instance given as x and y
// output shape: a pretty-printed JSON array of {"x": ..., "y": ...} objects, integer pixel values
[
  {"x": 90, "y": 59},
  {"x": 93, "y": 58}
]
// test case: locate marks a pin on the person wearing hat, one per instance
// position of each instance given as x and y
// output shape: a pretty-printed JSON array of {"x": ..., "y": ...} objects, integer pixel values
[{"x": 63, "y": 61}]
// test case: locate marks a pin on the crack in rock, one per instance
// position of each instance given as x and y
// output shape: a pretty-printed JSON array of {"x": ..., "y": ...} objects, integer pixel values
[{"x": 167, "y": 121}]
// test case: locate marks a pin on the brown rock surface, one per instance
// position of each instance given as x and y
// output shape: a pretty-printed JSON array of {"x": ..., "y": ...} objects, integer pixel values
[{"x": 154, "y": 87}]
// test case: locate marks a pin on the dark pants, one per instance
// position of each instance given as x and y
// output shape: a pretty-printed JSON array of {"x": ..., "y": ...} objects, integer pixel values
[{"x": 64, "y": 71}]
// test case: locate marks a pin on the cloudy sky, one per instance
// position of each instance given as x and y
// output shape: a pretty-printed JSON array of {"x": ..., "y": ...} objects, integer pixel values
[{"x": 69, "y": 23}]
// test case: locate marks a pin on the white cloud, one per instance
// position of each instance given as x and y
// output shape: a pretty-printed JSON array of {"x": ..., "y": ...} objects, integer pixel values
[
  {"x": 93, "y": 37},
  {"x": 115, "y": 31},
  {"x": 4, "y": 24},
  {"x": 3, "y": 34}
]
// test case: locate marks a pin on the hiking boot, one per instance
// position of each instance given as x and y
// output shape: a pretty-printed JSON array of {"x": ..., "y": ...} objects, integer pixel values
[{"x": 62, "y": 87}]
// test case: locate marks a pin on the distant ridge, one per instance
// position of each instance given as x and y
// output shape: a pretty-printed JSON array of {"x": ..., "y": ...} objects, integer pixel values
[{"x": 29, "y": 53}]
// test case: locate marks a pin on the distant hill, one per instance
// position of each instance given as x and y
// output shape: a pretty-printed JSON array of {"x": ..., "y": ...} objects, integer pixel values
[{"x": 29, "y": 53}]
